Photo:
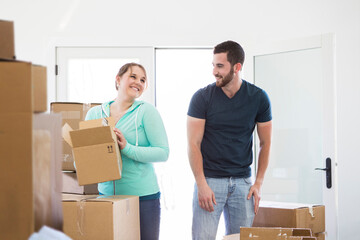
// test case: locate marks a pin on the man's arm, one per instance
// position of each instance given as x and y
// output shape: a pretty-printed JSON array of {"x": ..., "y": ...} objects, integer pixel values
[
  {"x": 195, "y": 133},
  {"x": 264, "y": 132}
]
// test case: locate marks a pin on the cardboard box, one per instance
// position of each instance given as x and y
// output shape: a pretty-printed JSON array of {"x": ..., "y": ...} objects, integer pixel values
[
  {"x": 50, "y": 123},
  {"x": 95, "y": 150},
  {"x": 7, "y": 43},
  {"x": 28, "y": 176},
  {"x": 320, "y": 236},
  {"x": 39, "y": 81},
  {"x": 16, "y": 87},
  {"x": 101, "y": 217},
  {"x": 72, "y": 113},
  {"x": 274, "y": 233},
  {"x": 24, "y": 86},
  {"x": 291, "y": 215},
  {"x": 71, "y": 185}
]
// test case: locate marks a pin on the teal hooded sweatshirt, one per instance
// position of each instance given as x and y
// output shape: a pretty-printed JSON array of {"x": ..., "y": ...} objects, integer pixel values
[{"x": 147, "y": 142}]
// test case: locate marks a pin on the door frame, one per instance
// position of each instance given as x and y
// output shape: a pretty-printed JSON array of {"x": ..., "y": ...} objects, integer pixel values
[{"x": 326, "y": 42}]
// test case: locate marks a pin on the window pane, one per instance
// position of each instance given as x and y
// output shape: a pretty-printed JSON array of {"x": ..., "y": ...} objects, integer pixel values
[{"x": 93, "y": 80}]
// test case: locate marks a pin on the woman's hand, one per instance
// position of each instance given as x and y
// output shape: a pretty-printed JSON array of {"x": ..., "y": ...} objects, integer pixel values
[{"x": 120, "y": 138}]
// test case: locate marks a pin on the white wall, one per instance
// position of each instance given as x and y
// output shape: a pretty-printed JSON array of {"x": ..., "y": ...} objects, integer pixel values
[{"x": 42, "y": 24}]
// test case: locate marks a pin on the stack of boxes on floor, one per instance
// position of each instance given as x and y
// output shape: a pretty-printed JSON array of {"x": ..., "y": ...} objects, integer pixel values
[
  {"x": 92, "y": 146},
  {"x": 279, "y": 220},
  {"x": 33, "y": 155},
  {"x": 72, "y": 114},
  {"x": 30, "y": 155}
]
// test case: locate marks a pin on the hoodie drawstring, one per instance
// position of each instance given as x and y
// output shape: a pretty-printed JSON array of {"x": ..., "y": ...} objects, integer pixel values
[
  {"x": 137, "y": 138},
  {"x": 136, "y": 129}
]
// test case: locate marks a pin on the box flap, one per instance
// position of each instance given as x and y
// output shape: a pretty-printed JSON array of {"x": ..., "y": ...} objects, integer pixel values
[
  {"x": 66, "y": 129},
  {"x": 97, "y": 123},
  {"x": 91, "y": 136}
]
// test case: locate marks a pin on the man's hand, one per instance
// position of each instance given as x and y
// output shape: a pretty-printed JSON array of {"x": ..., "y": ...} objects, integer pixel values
[
  {"x": 206, "y": 198},
  {"x": 255, "y": 190}
]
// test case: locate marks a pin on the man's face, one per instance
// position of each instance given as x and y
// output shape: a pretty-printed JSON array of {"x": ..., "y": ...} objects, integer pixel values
[{"x": 222, "y": 69}]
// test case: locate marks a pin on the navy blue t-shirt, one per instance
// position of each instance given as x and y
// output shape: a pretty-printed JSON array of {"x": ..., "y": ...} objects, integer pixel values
[{"x": 228, "y": 136}]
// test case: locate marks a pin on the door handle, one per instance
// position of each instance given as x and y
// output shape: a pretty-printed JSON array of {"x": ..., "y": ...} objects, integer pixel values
[{"x": 328, "y": 172}]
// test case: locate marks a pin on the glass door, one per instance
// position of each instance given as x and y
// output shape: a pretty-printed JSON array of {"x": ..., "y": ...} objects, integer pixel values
[{"x": 299, "y": 78}]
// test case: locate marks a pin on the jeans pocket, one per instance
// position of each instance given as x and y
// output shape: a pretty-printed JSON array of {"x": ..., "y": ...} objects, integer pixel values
[{"x": 248, "y": 180}]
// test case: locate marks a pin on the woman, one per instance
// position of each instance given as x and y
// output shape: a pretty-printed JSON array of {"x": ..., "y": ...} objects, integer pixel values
[{"x": 142, "y": 140}]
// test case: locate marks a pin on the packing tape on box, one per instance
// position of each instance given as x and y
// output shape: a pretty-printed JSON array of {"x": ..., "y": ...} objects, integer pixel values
[
  {"x": 127, "y": 206},
  {"x": 80, "y": 214},
  {"x": 67, "y": 158},
  {"x": 311, "y": 211},
  {"x": 86, "y": 107}
]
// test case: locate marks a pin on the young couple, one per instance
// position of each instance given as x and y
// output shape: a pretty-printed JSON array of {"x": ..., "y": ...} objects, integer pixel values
[{"x": 220, "y": 124}]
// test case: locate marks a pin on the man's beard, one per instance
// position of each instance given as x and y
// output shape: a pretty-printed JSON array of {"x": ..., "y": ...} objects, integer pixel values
[{"x": 225, "y": 80}]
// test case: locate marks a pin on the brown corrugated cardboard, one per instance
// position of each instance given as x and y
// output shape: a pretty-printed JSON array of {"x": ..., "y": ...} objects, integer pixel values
[
  {"x": 88, "y": 217},
  {"x": 291, "y": 215},
  {"x": 16, "y": 204},
  {"x": 52, "y": 124},
  {"x": 22, "y": 87},
  {"x": 320, "y": 236},
  {"x": 95, "y": 150},
  {"x": 39, "y": 81},
  {"x": 72, "y": 114},
  {"x": 28, "y": 175},
  {"x": 260, "y": 233},
  {"x": 7, "y": 43},
  {"x": 71, "y": 185},
  {"x": 15, "y": 87}
]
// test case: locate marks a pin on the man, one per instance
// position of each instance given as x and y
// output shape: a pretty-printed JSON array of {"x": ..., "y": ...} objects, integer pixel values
[{"x": 220, "y": 124}]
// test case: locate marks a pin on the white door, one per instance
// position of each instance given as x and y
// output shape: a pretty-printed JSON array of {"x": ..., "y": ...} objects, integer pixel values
[
  {"x": 87, "y": 74},
  {"x": 299, "y": 78}
]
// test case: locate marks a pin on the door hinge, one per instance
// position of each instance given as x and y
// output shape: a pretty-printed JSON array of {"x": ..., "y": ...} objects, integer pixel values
[{"x": 56, "y": 70}]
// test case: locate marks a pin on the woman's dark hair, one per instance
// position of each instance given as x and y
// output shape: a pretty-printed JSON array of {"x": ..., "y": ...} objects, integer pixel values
[{"x": 128, "y": 66}]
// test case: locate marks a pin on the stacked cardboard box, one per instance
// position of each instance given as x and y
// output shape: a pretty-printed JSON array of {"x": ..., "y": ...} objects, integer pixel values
[
  {"x": 71, "y": 185},
  {"x": 72, "y": 113},
  {"x": 291, "y": 215},
  {"x": 101, "y": 217},
  {"x": 7, "y": 46},
  {"x": 95, "y": 150},
  {"x": 29, "y": 156}
]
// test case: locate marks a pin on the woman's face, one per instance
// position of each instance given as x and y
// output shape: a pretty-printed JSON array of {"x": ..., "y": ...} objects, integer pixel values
[{"x": 132, "y": 83}]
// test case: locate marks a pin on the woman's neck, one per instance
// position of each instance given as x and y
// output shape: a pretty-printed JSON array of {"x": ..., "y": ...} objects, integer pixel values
[{"x": 122, "y": 105}]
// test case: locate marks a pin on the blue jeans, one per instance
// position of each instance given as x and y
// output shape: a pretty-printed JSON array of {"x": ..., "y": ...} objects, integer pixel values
[
  {"x": 150, "y": 219},
  {"x": 231, "y": 197}
]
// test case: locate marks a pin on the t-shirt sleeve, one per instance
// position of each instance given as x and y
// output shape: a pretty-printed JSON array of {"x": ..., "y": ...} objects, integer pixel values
[
  {"x": 197, "y": 106},
  {"x": 264, "y": 112}
]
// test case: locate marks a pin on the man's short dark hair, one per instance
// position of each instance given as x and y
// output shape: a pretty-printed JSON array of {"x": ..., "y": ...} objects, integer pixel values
[{"x": 235, "y": 53}]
